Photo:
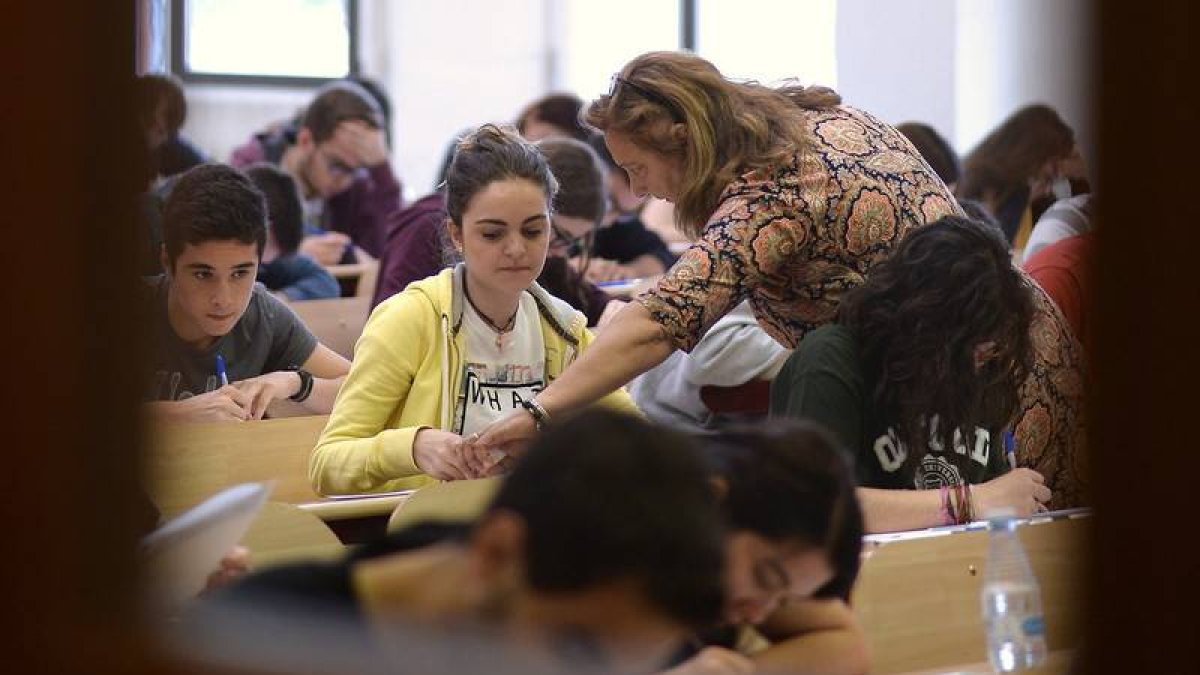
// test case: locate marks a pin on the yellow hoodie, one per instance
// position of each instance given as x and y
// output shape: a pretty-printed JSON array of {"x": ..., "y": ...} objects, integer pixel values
[{"x": 402, "y": 380}]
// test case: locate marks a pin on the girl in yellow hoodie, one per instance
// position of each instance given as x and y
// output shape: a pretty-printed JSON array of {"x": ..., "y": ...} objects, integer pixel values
[{"x": 453, "y": 352}]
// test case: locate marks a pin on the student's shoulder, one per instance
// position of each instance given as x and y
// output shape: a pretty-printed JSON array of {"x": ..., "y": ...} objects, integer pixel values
[
  {"x": 828, "y": 345},
  {"x": 423, "y": 299}
]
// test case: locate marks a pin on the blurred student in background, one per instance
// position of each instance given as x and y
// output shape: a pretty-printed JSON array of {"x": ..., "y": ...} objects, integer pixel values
[
  {"x": 1021, "y": 167},
  {"x": 338, "y": 154},
  {"x": 284, "y": 269}
]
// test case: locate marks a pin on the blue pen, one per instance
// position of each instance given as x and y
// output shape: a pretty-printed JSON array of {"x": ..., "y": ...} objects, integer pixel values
[
  {"x": 224, "y": 377},
  {"x": 1010, "y": 449}
]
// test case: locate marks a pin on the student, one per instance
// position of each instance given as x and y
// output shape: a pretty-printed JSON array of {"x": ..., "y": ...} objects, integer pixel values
[
  {"x": 735, "y": 351},
  {"x": 934, "y": 149},
  {"x": 578, "y": 208},
  {"x": 285, "y": 270},
  {"x": 553, "y": 116},
  {"x": 453, "y": 352},
  {"x": 162, "y": 110},
  {"x": 1063, "y": 270},
  {"x": 1066, "y": 218},
  {"x": 416, "y": 246},
  {"x": 212, "y": 323},
  {"x": 920, "y": 375},
  {"x": 552, "y": 564},
  {"x": 1018, "y": 167},
  {"x": 338, "y": 154},
  {"x": 793, "y": 539}
]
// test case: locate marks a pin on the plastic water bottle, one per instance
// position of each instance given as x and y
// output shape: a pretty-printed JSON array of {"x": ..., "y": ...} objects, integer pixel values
[{"x": 1012, "y": 603}]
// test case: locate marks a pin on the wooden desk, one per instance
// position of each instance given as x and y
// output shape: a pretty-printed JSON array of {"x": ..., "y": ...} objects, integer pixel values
[
  {"x": 918, "y": 599},
  {"x": 360, "y": 277},
  {"x": 187, "y": 463}
]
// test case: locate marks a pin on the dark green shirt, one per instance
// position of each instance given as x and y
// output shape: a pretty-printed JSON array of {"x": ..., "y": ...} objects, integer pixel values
[{"x": 824, "y": 381}]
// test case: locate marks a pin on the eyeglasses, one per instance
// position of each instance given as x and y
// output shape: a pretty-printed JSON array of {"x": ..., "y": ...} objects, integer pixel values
[
  {"x": 576, "y": 245},
  {"x": 339, "y": 168},
  {"x": 649, "y": 95}
]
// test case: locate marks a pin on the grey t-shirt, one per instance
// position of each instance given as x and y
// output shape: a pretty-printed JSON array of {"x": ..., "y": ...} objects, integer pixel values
[{"x": 269, "y": 337}]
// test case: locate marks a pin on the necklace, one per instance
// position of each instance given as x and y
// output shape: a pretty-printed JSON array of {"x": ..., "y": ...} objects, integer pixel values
[{"x": 500, "y": 330}]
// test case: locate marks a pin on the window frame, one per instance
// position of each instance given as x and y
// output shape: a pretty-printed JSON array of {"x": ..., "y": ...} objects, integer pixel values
[{"x": 180, "y": 69}]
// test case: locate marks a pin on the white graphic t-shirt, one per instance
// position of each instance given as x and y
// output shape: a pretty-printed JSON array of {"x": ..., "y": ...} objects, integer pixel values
[{"x": 498, "y": 375}]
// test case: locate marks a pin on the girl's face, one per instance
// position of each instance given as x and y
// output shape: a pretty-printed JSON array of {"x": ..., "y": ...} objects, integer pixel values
[
  {"x": 761, "y": 574},
  {"x": 650, "y": 172},
  {"x": 504, "y": 235}
]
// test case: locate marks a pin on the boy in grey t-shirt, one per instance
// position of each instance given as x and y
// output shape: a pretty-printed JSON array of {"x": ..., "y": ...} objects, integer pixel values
[{"x": 224, "y": 347}]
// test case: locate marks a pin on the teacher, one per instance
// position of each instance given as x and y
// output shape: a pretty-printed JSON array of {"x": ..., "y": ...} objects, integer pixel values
[{"x": 791, "y": 197}]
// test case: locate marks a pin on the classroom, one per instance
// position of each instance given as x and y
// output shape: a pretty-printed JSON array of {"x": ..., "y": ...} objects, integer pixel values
[{"x": 671, "y": 336}]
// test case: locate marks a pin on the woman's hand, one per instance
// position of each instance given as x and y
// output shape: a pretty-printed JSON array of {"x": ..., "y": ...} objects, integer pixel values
[
  {"x": 1023, "y": 490},
  {"x": 506, "y": 437},
  {"x": 610, "y": 310},
  {"x": 439, "y": 454},
  {"x": 713, "y": 661}
]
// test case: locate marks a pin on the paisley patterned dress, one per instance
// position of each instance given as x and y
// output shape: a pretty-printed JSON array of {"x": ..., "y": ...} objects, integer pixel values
[{"x": 792, "y": 240}]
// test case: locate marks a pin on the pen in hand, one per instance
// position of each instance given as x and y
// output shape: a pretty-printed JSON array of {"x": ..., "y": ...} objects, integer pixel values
[
  {"x": 1010, "y": 449},
  {"x": 221, "y": 374}
]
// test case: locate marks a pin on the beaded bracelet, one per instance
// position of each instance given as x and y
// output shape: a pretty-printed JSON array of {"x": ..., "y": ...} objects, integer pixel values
[{"x": 944, "y": 511}]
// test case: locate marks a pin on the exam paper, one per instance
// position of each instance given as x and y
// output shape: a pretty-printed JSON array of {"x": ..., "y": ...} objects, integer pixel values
[{"x": 180, "y": 555}]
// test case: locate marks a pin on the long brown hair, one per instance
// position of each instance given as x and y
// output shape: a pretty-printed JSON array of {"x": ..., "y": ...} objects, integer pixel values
[
  {"x": 1013, "y": 153},
  {"x": 732, "y": 127},
  {"x": 948, "y": 287}
]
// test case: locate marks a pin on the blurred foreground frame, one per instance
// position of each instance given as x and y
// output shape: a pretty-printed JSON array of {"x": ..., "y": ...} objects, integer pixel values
[{"x": 72, "y": 381}]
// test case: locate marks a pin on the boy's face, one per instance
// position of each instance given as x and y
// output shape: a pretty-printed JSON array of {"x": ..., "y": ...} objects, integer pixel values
[{"x": 210, "y": 289}]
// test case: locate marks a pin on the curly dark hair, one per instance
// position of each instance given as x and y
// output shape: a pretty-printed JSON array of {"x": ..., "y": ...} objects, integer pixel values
[{"x": 947, "y": 289}]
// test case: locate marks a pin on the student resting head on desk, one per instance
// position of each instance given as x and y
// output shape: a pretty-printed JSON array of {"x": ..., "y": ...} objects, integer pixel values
[
  {"x": 224, "y": 347},
  {"x": 793, "y": 537},
  {"x": 453, "y": 352},
  {"x": 601, "y": 548}
]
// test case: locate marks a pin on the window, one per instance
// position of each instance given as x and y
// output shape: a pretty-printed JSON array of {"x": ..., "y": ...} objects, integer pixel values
[
  {"x": 264, "y": 41},
  {"x": 598, "y": 38},
  {"x": 769, "y": 40}
]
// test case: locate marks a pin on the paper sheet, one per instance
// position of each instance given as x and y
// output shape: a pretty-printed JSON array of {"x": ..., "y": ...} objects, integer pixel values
[{"x": 180, "y": 555}]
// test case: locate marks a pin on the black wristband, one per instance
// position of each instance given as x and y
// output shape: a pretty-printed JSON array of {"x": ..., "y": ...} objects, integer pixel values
[{"x": 306, "y": 385}]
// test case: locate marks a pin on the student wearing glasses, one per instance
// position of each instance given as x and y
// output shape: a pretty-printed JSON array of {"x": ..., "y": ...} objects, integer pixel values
[
  {"x": 444, "y": 358},
  {"x": 578, "y": 208},
  {"x": 792, "y": 198},
  {"x": 338, "y": 154}
]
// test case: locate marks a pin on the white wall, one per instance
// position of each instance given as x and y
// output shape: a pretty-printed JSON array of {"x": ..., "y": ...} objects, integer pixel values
[
  {"x": 964, "y": 65},
  {"x": 457, "y": 64},
  {"x": 896, "y": 60},
  {"x": 1015, "y": 52},
  {"x": 221, "y": 117}
]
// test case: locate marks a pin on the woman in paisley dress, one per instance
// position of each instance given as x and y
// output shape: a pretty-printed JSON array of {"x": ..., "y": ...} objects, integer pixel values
[{"x": 791, "y": 197}]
